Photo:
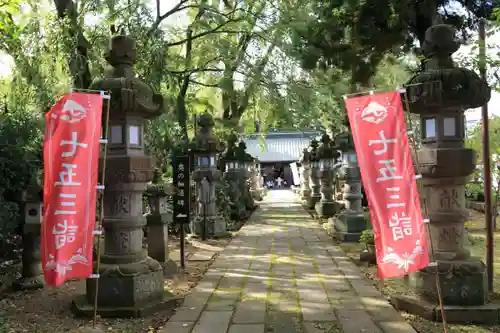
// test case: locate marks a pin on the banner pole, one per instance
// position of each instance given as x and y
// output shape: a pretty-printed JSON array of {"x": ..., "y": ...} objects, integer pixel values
[
  {"x": 424, "y": 205},
  {"x": 99, "y": 228}
]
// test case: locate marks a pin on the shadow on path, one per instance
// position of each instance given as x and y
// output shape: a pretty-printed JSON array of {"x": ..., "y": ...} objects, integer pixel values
[{"x": 283, "y": 274}]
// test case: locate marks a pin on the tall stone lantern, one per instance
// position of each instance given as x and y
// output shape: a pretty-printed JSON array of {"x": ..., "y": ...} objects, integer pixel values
[
  {"x": 439, "y": 95},
  {"x": 130, "y": 282},
  {"x": 305, "y": 186},
  {"x": 327, "y": 155},
  {"x": 232, "y": 174},
  {"x": 246, "y": 161},
  {"x": 205, "y": 147},
  {"x": 350, "y": 223},
  {"x": 256, "y": 189},
  {"x": 314, "y": 174}
]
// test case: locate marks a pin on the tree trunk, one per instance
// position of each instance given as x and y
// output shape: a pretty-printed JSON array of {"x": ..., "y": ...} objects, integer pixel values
[{"x": 78, "y": 61}]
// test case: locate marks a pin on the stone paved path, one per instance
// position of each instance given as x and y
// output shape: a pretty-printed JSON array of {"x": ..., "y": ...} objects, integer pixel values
[{"x": 283, "y": 274}]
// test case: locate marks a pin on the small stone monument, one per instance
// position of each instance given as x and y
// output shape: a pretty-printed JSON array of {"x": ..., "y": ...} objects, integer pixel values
[
  {"x": 350, "y": 223},
  {"x": 205, "y": 147},
  {"x": 130, "y": 283},
  {"x": 305, "y": 187},
  {"x": 325, "y": 208},
  {"x": 32, "y": 272},
  {"x": 439, "y": 95},
  {"x": 158, "y": 219},
  {"x": 232, "y": 174},
  {"x": 314, "y": 175}
]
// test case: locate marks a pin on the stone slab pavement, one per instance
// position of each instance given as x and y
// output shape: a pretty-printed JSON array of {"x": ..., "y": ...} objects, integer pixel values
[{"x": 283, "y": 274}]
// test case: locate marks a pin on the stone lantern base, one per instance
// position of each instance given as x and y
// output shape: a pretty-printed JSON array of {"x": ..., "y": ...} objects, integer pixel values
[
  {"x": 257, "y": 194},
  {"x": 305, "y": 195},
  {"x": 313, "y": 200},
  {"x": 464, "y": 290},
  {"x": 124, "y": 291},
  {"x": 325, "y": 209},
  {"x": 32, "y": 272},
  {"x": 348, "y": 226},
  {"x": 214, "y": 227}
]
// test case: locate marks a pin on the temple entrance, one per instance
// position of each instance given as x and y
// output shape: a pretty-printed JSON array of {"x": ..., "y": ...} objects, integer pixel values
[{"x": 277, "y": 175}]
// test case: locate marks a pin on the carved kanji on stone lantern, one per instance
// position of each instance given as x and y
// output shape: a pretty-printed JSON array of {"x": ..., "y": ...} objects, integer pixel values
[
  {"x": 130, "y": 282},
  {"x": 439, "y": 95}
]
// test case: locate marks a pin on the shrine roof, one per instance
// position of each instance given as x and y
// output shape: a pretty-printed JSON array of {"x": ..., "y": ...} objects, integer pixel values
[{"x": 279, "y": 146}]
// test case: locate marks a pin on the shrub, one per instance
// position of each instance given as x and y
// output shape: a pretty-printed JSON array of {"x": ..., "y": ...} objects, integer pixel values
[{"x": 367, "y": 237}]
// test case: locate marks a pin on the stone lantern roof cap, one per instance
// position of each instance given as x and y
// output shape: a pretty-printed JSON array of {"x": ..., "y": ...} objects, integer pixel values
[
  {"x": 306, "y": 156},
  {"x": 313, "y": 150},
  {"x": 241, "y": 153},
  {"x": 205, "y": 141},
  {"x": 229, "y": 153},
  {"x": 442, "y": 85},
  {"x": 122, "y": 50},
  {"x": 325, "y": 150},
  {"x": 130, "y": 96},
  {"x": 156, "y": 188},
  {"x": 345, "y": 141}
]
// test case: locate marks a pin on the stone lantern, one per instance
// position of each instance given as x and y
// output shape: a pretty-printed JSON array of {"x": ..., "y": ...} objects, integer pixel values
[
  {"x": 130, "y": 282},
  {"x": 246, "y": 161},
  {"x": 32, "y": 272},
  {"x": 256, "y": 186},
  {"x": 305, "y": 187},
  {"x": 327, "y": 155},
  {"x": 439, "y": 95},
  {"x": 350, "y": 223},
  {"x": 232, "y": 175},
  {"x": 158, "y": 219},
  {"x": 314, "y": 174},
  {"x": 205, "y": 147}
]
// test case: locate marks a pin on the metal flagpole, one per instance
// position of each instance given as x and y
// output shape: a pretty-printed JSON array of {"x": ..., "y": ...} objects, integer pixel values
[
  {"x": 488, "y": 211},
  {"x": 99, "y": 227},
  {"x": 106, "y": 95}
]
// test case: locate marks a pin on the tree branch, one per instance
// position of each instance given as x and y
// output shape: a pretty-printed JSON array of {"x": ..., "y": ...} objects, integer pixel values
[
  {"x": 160, "y": 18},
  {"x": 204, "y": 84},
  {"x": 213, "y": 30}
]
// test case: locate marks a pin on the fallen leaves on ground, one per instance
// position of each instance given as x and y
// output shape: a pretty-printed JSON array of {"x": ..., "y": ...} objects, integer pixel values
[{"x": 48, "y": 310}]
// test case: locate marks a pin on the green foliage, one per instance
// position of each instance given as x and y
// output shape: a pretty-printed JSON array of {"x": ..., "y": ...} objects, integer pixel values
[
  {"x": 474, "y": 191},
  {"x": 356, "y": 35},
  {"x": 20, "y": 162},
  {"x": 367, "y": 237},
  {"x": 475, "y": 140}
]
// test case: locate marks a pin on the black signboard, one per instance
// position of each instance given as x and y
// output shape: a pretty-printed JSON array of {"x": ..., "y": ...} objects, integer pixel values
[
  {"x": 182, "y": 198},
  {"x": 181, "y": 171}
]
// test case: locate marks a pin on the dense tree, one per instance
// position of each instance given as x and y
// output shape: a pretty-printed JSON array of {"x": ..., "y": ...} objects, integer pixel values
[
  {"x": 356, "y": 35},
  {"x": 235, "y": 60}
]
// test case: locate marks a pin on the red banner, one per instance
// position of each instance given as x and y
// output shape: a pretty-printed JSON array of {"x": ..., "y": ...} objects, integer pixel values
[
  {"x": 71, "y": 157},
  {"x": 386, "y": 165}
]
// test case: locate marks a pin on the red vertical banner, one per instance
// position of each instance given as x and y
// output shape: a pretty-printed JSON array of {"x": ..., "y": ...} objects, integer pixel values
[
  {"x": 71, "y": 158},
  {"x": 386, "y": 165}
]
